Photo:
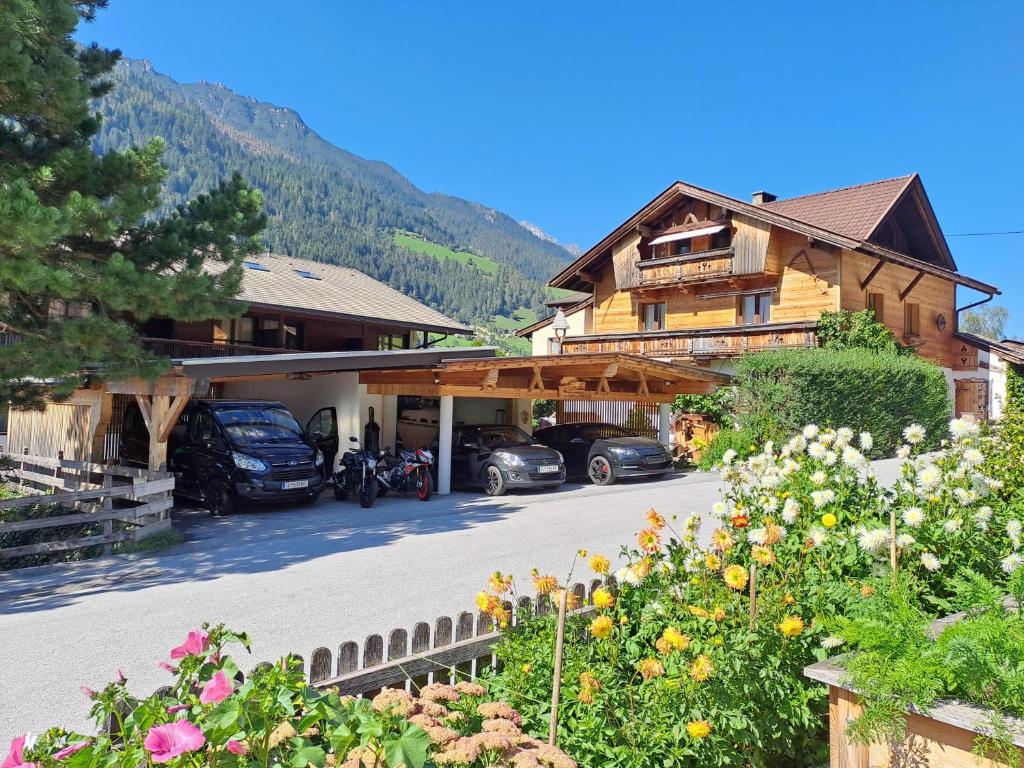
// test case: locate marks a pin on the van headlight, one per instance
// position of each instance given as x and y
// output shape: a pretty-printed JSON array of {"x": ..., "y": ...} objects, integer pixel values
[
  {"x": 319, "y": 460},
  {"x": 509, "y": 459},
  {"x": 248, "y": 462}
]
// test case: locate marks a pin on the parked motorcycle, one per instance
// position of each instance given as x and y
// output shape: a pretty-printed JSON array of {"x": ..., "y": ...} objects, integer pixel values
[
  {"x": 409, "y": 472},
  {"x": 357, "y": 475}
]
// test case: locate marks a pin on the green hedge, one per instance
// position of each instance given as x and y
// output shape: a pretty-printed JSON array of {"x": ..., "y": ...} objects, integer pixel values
[{"x": 779, "y": 392}]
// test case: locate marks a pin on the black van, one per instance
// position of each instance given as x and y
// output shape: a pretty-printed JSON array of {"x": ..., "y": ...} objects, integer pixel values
[{"x": 226, "y": 451}]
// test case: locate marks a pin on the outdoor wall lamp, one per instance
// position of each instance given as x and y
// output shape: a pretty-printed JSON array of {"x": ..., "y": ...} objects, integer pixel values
[
  {"x": 560, "y": 326},
  {"x": 940, "y": 323}
]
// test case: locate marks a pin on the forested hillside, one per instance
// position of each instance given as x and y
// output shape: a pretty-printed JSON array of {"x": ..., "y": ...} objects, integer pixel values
[{"x": 327, "y": 204}]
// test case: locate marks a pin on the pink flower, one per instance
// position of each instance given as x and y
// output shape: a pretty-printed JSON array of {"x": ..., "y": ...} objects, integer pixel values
[
  {"x": 173, "y": 710},
  {"x": 235, "y": 747},
  {"x": 121, "y": 679},
  {"x": 87, "y": 691},
  {"x": 16, "y": 756},
  {"x": 167, "y": 742},
  {"x": 216, "y": 689},
  {"x": 196, "y": 642},
  {"x": 69, "y": 750},
  {"x": 168, "y": 667}
]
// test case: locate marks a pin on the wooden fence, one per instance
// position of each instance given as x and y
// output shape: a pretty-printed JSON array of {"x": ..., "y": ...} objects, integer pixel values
[
  {"x": 90, "y": 493},
  {"x": 450, "y": 649}
]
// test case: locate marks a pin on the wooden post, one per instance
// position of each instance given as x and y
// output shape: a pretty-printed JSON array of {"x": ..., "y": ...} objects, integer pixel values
[
  {"x": 108, "y": 504},
  {"x": 892, "y": 541},
  {"x": 160, "y": 404},
  {"x": 753, "y": 595},
  {"x": 556, "y": 683}
]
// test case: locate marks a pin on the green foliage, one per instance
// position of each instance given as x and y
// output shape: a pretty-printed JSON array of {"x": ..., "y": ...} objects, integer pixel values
[
  {"x": 780, "y": 391},
  {"x": 857, "y": 330},
  {"x": 77, "y": 259},
  {"x": 742, "y": 441},
  {"x": 543, "y": 409},
  {"x": 988, "y": 321},
  {"x": 329, "y": 205},
  {"x": 1006, "y": 458},
  {"x": 716, "y": 405}
]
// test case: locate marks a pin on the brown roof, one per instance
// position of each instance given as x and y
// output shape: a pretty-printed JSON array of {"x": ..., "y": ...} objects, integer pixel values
[
  {"x": 1010, "y": 350},
  {"x": 339, "y": 291},
  {"x": 852, "y": 211},
  {"x": 529, "y": 329}
]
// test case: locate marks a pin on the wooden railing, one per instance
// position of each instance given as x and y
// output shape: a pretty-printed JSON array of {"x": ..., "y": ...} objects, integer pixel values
[
  {"x": 702, "y": 342},
  {"x": 692, "y": 267},
  {"x": 445, "y": 651},
  {"x": 185, "y": 349},
  {"x": 85, "y": 493}
]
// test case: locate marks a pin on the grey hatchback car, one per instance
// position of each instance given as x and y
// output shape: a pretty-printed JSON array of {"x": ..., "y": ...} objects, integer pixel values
[
  {"x": 500, "y": 457},
  {"x": 606, "y": 453}
]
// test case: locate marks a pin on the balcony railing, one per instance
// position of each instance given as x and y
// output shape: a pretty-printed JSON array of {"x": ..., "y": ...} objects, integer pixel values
[
  {"x": 701, "y": 342},
  {"x": 179, "y": 350},
  {"x": 691, "y": 267}
]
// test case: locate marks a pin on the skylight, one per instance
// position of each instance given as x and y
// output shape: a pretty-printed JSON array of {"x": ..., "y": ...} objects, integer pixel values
[
  {"x": 255, "y": 266},
  {"x": 307, "y": 274}
]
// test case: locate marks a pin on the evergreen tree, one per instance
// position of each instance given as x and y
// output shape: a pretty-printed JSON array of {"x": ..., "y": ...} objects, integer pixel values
[{"x": 79, "y": 259}]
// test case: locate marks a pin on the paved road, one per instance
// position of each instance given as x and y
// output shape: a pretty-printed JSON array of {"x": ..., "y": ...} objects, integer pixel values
[{"x": 297, "y": 578}]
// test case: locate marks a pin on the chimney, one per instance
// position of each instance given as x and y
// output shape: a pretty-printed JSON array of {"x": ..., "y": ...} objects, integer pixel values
[{"x": 759, "y": 198}]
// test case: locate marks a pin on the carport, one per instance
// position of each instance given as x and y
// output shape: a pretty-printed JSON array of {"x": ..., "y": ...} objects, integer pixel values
[{"x": 584, "y": 376}]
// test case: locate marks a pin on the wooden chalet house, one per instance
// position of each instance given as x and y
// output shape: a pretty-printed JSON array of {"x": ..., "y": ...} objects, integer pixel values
[{"x": 698, "y": 276}]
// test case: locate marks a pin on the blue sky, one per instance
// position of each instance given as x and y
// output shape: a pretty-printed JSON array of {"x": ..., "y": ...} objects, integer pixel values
[{"x": 572, "y": 115}]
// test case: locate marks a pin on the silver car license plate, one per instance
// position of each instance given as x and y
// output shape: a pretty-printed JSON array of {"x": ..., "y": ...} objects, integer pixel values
[
  {"x": 290, "y": 484},
  {"x": 654, "y": 459},
  {"x": 545, "y": 468}
]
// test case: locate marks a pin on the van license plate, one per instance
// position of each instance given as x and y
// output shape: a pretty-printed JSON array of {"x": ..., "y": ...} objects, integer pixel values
[
  {"x": 288, "y": 485},
  {"x": 548, "y": 468}
]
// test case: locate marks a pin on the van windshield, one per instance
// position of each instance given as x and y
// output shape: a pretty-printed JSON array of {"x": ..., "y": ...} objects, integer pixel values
[{"x": 259, "y": 425}]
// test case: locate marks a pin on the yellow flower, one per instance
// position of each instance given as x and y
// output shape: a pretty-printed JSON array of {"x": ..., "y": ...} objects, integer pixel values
[
  {"x": 699, "y": 612},
  {"x": 698, "y": 729},
  {"x": 867, "y": 590},
  {"x": 603, "y": 599},
  {"x": 676, "y": 639},
  {"x": 655, "y": 520},
  {"x": 718, "y": 642},
  {"x": 735, "y": 577},
  {"x": 586, "y": 695},
  {"x": 599, "y": 564},
  {"x": 499, "y": 582},
  {"x": 601, "y": 627},
  {"x": 582, "y": 553},
  {"x": 663, "y": 646},
  {"x": 571, "y": 601},
  {"x": 588, "y": 684},
  {"x": 721, "y": 540},
  {"x": 712, "y": 561},
  {"x": 791, "y": 626},
  {"x": 789, "y": 600},
  {"x": 719, "y": 613},
  {"x": 828, "y": 520},
  {"x": 701, "y": 668},
  {"x": 763, "y": 555},
  {"x": 544, "y": 585},
  {"x": 527, "y": 668},
  {"x": 649, "y": 540},
  {"x": 624, "y": 619},
  {"x": 483, "y": 601},
  {"x": 651, "y": 668}
]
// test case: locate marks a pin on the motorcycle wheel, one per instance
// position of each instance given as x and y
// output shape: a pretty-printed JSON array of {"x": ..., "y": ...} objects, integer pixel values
[
  {"x": 382, "y": 490},
  {"x": 340, "y": 493},
  {"x": 368, "y": 494},
  {"x": 424, "y": 490}
]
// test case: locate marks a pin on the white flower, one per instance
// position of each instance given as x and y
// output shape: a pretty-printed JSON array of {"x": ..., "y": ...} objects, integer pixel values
[
  {"x": 830, "y": 458},
  {"x": 797, "y": 445},
  {"x": 817, "y": 536},
  {"x": 930, "y": 561},
  {"x": 819, "y": 477},
  {"x": 789, "y": 467},
  {"x": 965, "y": 496},
  {"x": 843, "y": 436},
  {"x": 810, "y": 431},
  {"x": 867, "y": 442},
  {"x": 758, "y": 535},
  {"x": 1013, "y": 530},
  {"x": 1011, "y": 562},
  {"x": 973, "y": 457},
  {"x": 904, "y": 540},
  {"x": 961, "y": 428},
  {"x": 666, "y": 566},
  {"x": 817, "y": 451},
  {"x": 830, "y": 642},
  {"x": 929, "y": 476},
  {"x": 903, "y": 452},
  {"x": 823, "y": 498},
  {"x": 790, "y": 511},
  {"x": 770, "y": 504},
  {"x": 872, "y": 539},
  {"x": 728, "y": 456},
  {"x": 914, "y": 434},
  {"x": 913, "y": 516},
  {"x": 718, "y": 508},
  {"x": 952, "y": 525},
  {"x": 983, "y": 515},
  {"x": 852, "y": 457},
  {"x": 631, "y": 576}
]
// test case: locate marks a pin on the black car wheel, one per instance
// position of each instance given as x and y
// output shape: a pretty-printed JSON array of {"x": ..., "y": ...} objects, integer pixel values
[
  {"x": 218, "y": 499},
  {"x": 600, "y": 471},
  {"x": 310, "y": 499},
  {"x": 494, "y": 481}
]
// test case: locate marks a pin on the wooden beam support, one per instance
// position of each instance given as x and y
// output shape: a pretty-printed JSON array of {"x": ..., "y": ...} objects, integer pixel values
[
  {"x": 537, "y": 382},
  {"x": 146, "y": 409},
  {"x": 491, "y": 379},
  {"x": 166, "y": 385},
  {"x": 906, "y": 291},
  {"x": 586, "y": 276},
  {"x": 173, "y": 412},
  {"x": 871, "y": 275}
]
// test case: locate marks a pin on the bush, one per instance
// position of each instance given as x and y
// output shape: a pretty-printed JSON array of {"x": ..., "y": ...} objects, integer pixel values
[
  {"x": 717, "y": 405},
  {"x": 780, "y": 391},
  {"x": 739, "y": 440},
  {"x": 858, "y": 330}
]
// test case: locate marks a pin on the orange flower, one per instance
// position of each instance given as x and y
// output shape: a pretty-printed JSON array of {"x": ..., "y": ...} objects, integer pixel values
[
  {"x": 701, "y": 668},
  {"x": 719, "y": 613},
  {"x": 650, "y": 668},
  {"x": 676, "y": 640},
  {"x": 699, "y": 612},
  {"x": 601, "y": 627},
  {"x": 655, "y": 520},
  {"x": 599, "y": 564},
  {"x": 571, "y": 601},
  {"x": 603, "y": 599},
  {"x": 763, "y": 555},
  {"x": 789, "y": 600},
  {"x": 721, "y": 540},
  {"x": 739, "y": 520},
  {"x": 500, "y": 583},
  {"x": 588, "y": 684},
  {"x": 544, "y": 585},
  {"x": 773, "y": 534},
  {"x": 649, "y": 540},
  {"x": 663, "y": 646}
]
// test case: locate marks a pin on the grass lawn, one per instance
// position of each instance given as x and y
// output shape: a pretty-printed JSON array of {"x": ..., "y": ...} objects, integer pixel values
[{"x": 419, "y": 245}]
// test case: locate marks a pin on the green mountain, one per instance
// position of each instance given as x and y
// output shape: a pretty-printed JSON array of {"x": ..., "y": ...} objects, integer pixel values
[{"x": 327, "y": 204}]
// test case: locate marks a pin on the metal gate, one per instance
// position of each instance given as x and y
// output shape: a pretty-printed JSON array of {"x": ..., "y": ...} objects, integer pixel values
[{"x": 640, "y": 417}]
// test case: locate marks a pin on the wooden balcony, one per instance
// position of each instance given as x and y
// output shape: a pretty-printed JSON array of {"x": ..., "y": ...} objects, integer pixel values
[
  {"x": 717, "y": 264},
  {"x": 179, "y": 350},
  {"x": 700, "y": 343}
]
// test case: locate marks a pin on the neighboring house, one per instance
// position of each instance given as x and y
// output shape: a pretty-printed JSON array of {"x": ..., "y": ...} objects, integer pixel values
[
  {"x": 981, "y": 391},
  {"x": 298, "y": 305},
  {"x": 698, "y": 276},
  {"x": 578, "y": 309}
]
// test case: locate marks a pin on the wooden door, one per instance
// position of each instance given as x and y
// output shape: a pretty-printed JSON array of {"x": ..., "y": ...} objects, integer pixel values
[{"x": 972, "y": 398}]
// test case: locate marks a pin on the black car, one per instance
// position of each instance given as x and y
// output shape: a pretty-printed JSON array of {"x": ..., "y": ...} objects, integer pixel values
[
  {"x": 499, "y": 457},
  {"x": 225, "y": 451},
  {"x": 605, "y": 452}
]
